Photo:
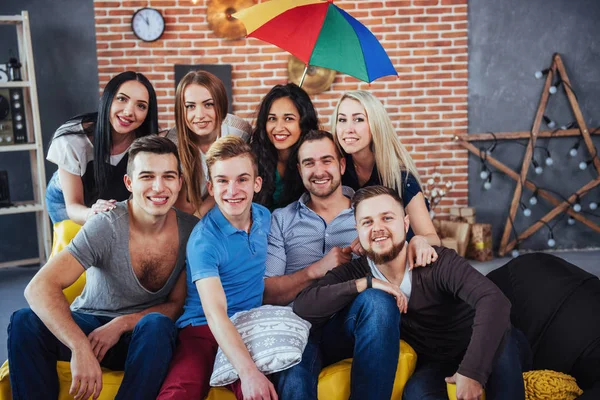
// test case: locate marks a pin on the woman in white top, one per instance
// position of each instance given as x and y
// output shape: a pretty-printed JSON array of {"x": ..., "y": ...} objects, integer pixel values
[
  {"x": 83, "y": 186},
  {"x": 200, "y": 119}
]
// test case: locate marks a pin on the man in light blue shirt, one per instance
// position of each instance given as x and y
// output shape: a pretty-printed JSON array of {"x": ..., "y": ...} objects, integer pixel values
[
  {"x": 312, "y": 235},
  {"x": 308, "y": 238}
]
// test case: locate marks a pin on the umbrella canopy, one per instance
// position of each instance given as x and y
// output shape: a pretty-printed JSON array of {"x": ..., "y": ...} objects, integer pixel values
[{"x": 321, "y": 34}]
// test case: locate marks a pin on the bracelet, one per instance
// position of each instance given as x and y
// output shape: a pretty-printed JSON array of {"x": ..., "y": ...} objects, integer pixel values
[{"x": 369, "y": 281}]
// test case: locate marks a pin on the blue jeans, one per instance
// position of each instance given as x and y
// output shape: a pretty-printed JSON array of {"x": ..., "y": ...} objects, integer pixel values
[
  {"x": 55, "y": 200},
  {"x": 368, "y": 330},
  {"x": 143, "y": 354},
  {"x": 505, "y": 381}
]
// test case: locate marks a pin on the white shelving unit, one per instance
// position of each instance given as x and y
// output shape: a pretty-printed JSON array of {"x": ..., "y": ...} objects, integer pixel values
[{"x": 34, "y": 145}]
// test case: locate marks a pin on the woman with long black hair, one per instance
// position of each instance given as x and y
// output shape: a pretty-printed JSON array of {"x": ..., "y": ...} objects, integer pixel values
[{"x": 90, "y": 150}]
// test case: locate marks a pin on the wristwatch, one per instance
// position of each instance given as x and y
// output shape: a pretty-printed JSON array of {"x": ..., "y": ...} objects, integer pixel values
[{"x": 369, "y": 281}]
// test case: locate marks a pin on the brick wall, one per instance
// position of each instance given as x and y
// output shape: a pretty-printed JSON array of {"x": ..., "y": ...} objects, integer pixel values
[{"x": 425, "y": 39}]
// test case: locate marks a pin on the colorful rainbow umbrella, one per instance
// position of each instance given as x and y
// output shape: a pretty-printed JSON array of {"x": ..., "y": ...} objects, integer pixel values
[{"x": 320, "y": 34}]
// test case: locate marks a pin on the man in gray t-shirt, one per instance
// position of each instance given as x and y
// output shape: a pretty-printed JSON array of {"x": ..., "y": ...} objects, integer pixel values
[{"x": 134, "y": 256}]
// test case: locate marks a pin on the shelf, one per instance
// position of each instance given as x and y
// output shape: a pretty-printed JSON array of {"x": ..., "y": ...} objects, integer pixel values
[
  {"x": 14, "y": 84},
  {"x": 18, "y": 147},
  {"x": 20, "y": 263},
  {"x": 11, "y": 19},
  {"x": 21, "y": 207}
]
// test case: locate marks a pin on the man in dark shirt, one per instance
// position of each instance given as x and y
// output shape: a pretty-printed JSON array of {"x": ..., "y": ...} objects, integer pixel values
[{"x": 456, "y": 320}]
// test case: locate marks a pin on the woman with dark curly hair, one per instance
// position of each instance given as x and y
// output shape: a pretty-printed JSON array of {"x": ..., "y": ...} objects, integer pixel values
[{"x": 285, "y": 114}]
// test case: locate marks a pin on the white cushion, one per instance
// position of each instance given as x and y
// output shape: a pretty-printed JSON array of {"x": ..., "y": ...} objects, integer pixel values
[{"x": 274, "y": 336}]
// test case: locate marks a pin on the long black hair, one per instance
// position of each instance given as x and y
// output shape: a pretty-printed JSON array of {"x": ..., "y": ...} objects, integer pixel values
[
  {"x": 266, "y": 152},
  {"x": 103, "y": 130}
]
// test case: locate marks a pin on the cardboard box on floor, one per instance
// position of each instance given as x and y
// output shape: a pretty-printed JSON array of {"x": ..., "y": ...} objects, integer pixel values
[{"x": 454, "y": 235}]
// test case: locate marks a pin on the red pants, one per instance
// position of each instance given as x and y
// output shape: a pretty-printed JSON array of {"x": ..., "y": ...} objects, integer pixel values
[{"x": 192, "y": 365}]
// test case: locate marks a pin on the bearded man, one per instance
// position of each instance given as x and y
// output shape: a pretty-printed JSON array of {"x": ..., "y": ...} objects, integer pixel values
[{"x": 456, "y": 319}]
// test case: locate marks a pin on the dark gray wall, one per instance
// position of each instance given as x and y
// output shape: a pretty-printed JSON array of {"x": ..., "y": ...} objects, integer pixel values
[
  {"x": 64, "y": 47},
  {"x": 508, "y": 41}
]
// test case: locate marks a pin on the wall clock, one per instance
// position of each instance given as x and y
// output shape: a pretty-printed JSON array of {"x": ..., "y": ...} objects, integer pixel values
[{"x": 148, "y": 24}]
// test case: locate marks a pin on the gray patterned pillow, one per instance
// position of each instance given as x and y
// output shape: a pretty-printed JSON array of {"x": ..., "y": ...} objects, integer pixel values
[{"x": 274, "y": 336}]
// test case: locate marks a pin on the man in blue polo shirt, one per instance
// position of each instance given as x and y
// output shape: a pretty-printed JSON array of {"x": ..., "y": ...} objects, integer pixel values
[{"x": 226, "y": 256}]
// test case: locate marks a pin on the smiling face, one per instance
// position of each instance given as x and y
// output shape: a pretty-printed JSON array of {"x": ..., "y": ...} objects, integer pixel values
[
  {"x": 381, "y": 226},
  {"x": 200, "y": 113},
  {"x": 283, "y": 124},
  {"x": 154, "y": 182},
  {"x": 129, "y": 107},
  {"x": 320, "y": 167},
  {"x": 352, "y": 127},
  {"x": 233, "y": 184}
]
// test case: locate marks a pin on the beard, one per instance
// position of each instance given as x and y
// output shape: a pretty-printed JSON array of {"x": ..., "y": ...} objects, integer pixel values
[
  {"x": 382, "y": 258},
  {"x": 324, "y": 192}
]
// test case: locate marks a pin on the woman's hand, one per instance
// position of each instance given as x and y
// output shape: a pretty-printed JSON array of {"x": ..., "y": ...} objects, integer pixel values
[
  {"x": 101, "y": 206},
  {"x": 420, "y": 252}
]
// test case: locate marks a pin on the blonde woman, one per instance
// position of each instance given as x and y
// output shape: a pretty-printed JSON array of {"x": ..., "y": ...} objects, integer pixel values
[
  {"x": 375, "y": 156},
  {"x": 200, "y": 119}
]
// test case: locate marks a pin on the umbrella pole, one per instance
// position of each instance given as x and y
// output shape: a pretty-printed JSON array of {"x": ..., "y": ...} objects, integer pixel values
[{"x": 303, "y": 75}]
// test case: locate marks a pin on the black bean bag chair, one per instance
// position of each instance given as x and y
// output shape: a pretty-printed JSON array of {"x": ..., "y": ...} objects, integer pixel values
[{"x": 557, "y": 306}]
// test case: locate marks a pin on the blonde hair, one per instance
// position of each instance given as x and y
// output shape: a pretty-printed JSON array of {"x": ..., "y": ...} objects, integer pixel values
[
  {"x": 189, "y": 154},
  {"x": 391, "y": 157},
  {"x": 229, "y": 147}
]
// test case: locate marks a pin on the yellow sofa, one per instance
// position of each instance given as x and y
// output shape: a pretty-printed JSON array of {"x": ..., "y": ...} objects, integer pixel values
[{"x": 334, "y": 381}]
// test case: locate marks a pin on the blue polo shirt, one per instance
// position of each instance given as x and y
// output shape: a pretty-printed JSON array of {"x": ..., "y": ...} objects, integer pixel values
[{"x": 217, "y": 248}]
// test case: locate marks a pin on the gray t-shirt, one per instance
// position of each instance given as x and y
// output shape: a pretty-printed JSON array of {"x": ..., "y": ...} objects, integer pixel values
[{"x": 112, "y": 288}]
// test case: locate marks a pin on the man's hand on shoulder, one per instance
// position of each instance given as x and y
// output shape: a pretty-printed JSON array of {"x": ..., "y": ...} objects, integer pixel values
[
  {"x": 256, "y": 386},
  {"x": 106, "y": 336},
  {"x": 336, "y": 256},
  {"x": 466, "y": 388},
  {"x": 87, "y": 374}
]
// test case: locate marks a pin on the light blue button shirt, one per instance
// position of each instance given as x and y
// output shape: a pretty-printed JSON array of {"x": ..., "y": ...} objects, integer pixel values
[{"x": 299, "y": 237}]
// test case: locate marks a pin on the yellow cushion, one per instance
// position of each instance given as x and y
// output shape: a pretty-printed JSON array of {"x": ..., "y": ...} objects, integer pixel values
[
  {"x": 64, "y": 232},
  {"x": 220, "y": 393},
  {"x": 451, "y": 388},
  {"x": 5, "y": 392},
  {"x": 111, "y": 380},
  {"x": 334, "y": 381},
  {"x": 548, "y": 385}
]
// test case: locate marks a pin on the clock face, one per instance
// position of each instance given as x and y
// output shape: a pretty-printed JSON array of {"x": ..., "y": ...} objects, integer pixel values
[{"x": 148, "y": 24}]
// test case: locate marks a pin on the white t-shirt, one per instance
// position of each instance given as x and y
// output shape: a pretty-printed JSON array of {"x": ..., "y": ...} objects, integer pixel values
[
  {"x": 73, "y": 152},
  {"x": 405, "y": 285}
]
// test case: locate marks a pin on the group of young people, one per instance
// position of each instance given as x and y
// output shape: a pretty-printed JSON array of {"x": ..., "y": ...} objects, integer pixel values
[{"x": 177, "y": 236}]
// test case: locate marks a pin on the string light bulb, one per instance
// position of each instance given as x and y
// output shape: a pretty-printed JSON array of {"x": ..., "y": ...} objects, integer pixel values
[
  {"x": 554, "y": 88},
  {"x": 571, "y": 221},
  {"x": 488, "y": 183},
  {"x": 573, "y": 151},
  {"x": 542, "y": 73},
  {"x": 533, "y": 200},
  {"x": 526, "y": 210},
  {"x": 484, "y": 172},
  {"x": 537, "y": 167},
  {"x": 515, "y": 252},
  {"x": 549, "y": 123},
  {"x": 584, "y": 164},
  {"x": 593, "y": 205},
  {"x": 577, "y": 205},
  {"x": 570, "y": 125}
]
